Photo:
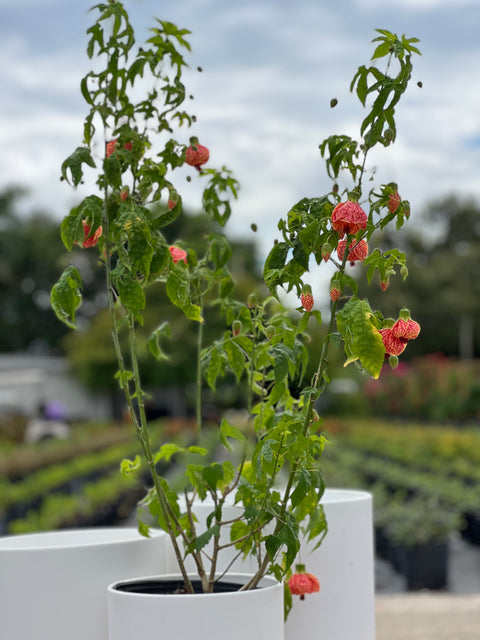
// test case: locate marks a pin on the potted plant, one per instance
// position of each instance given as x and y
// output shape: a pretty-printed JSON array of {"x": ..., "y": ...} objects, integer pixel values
[
  {"x": 419, "y": 529},
  {"x": 264, "y": 499}
]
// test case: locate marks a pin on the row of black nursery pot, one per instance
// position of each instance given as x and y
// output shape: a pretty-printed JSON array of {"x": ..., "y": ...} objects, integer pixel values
[{"x": 413, "y": 536}]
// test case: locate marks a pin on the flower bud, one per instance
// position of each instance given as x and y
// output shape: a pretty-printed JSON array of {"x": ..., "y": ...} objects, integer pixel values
[
  {"x": 393, "y": 361},
  {"x": 252, "y": 300},
  {"x": 270, "y": 331},
  {"x": 306, "y": 298},
  {"x": 389, "y": 135},
  {"x": 404, "y": 272},
  {"x": 236, "y": 327},
  {"x": 326, "y": 251},
  {"x": 335, "y": 294}
]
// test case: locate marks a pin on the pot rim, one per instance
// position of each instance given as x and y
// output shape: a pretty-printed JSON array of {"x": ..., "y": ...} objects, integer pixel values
[
  {"x": 267, "y": 583},
  {"x": 73, "y": 539}
]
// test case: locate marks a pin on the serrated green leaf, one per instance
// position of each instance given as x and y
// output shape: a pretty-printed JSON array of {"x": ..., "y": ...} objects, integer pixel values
[
  {"x": 302, "y": 486},
  {"x": 164, "y": 330},
  {"x": 203, "y": 539},
  {"x": 168, "y": 450},
  {"x": 362, "y": 340},
  {"x": 178, "y": 291},
  {"x": 132, "y": 296},
  {"x": 66, "y": 297},
  {"x": 383, "y": 49},
  {"x": 272, "y": 545},
  {"x": 228, "y": 430},
  {"x": 91, "y": 209},
  {"x": 72, "y": 167},
  {"x": 235, "y": 357}
]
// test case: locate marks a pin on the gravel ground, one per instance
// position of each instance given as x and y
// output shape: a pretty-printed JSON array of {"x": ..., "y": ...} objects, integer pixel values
[{"x": 453, "y": 614}]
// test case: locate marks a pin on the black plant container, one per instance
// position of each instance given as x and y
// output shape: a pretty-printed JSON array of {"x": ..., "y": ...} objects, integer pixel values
[
  {"x": 472, "y": 529},
  {"x": 425, "y": 566}
]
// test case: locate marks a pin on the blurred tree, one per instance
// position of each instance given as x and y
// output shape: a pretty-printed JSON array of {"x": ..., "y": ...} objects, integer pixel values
[
  {"x": 31, "y": 256},
  {"x": 443, "y": 286}
]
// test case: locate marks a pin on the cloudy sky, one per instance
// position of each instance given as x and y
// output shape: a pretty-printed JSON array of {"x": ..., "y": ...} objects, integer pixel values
[{"x": 262, "y": 101}]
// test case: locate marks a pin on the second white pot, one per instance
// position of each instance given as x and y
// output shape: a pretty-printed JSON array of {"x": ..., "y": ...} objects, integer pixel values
[
  {"x": 53, "y": 584},
  {"x": 344, "y": 566}
]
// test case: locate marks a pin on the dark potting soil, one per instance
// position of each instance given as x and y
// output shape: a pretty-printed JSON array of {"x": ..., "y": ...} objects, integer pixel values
[{"x": 164, "y": 587}]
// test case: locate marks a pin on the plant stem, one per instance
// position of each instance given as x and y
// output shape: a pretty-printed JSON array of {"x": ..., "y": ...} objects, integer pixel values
[{"x": 198, "y": 398}]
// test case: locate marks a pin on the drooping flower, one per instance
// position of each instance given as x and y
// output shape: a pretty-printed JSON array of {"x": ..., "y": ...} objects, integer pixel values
[
  {"x": 171, "y": 204},
  {"x": 111, "y": 146},
  {"x": 90, "y": 240},
  {"x": 348, "y": 217},
  {"x": 358, "y": 251},
  {"x": 393, "y": 346},
  {"x": 124, "y": 194},
  {"x": 384, "y": 284},
  {"x": 196, "y": 155},
  {"x": 177, "y": 254},
  {"x": 302, "y": 583},
  {"x": 393, "y": 202},
  {"x": 408, "y": 329}
]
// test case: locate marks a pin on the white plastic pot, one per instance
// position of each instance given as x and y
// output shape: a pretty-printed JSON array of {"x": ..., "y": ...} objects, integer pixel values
[
  {"x": 53, "y": 585},
  {"x": 344, "y": 565},
  {"x": 235, "y": 615}
]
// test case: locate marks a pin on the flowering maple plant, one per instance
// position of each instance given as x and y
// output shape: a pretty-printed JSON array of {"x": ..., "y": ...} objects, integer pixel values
[{"x": 128, "y": 141}]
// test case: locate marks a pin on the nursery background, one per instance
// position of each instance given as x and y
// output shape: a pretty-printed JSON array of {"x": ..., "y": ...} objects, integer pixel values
[{"x": 262, "y": 100}]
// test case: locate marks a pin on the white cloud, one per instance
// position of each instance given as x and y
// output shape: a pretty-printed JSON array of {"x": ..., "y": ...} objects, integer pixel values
[
  {"x": 262, "y": 104},
  {"x": 418, "y": 4}
]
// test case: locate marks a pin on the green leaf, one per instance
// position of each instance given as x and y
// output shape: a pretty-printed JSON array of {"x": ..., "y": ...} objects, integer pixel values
[
  {"x": 302, "y": 485},
  {"x": 219, "y": 250},
  {"x": 72, "y": 166},
  {"x": 91, "y": 209},
  {"x": 132, "y": 296},
  {"x": 228, "y": 430},
  {"x": 239, "y": 530},
  {"x": 203, "y": 539},
  {"x": 282, "y": 357},
  {"x": 288, "y": 537},
  {"x": 272, "y": 546},
  {"x": 164, "y": 330},
  {"x": 129, "y": 468},
  {"x": 178, "y": 291},
  {"x": 214, "y": 365},
  {"x": 362, "y": 340},
  {"x": 201, "y": 451},
  {"x": 166, "y": 451},
  {"x": 235, "y": 357},
  {"x": 213, "y": 474},
  {"x": 383, "y": 49},
  {"x": 66, "y": 296}
]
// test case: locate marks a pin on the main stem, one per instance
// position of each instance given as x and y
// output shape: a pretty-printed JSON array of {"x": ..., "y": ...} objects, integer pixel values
[{"x": 140, "y": 421}]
